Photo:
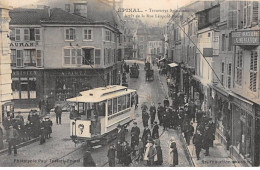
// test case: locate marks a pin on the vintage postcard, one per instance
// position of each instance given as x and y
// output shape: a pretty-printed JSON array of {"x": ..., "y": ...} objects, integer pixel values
[{"x": 129, "y": 83}]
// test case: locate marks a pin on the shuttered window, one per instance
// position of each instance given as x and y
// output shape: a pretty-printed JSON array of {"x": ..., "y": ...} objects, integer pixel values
[
  {"x": 239, "y": 68},
  {"x": 229, "y": 70},
  {"x": 97, "y": 56},
  {"x": 253, "y": 70},
  {"x": 232, "y": 19},
  {"x": 222, "y": 72},
  {"x": 255, "y": 13}
]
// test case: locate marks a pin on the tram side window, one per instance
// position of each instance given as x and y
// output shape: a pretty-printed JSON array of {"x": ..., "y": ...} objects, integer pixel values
[
  {"x": 121, "y": 103},
  {"x": 101, "y": 108},
  {"x": 81, "y": 109},
  {"x": 114, "y": 105},
  {"x": 128, "y": 100},
  {"x": 110, "y": 107}
]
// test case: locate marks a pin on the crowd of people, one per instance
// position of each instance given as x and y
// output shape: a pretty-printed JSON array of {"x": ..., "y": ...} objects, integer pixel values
[{"x": 18, "y": 130}]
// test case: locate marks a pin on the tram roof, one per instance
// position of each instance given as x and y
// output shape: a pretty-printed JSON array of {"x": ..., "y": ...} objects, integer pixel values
[{"x": 101, "y": 94}]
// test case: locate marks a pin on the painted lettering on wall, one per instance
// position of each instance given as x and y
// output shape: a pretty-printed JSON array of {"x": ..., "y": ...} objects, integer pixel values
[{"x": 20, "y": 44}]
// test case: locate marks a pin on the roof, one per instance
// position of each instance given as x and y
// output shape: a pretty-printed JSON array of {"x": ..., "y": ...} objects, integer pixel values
[
  {"x": 22, "y": 16},
  {"x": 101, "y": 94},
  {"x": 60, "y": 16}
]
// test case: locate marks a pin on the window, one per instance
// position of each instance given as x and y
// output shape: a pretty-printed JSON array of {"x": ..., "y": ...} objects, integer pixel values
[
  {"x": 29, "y": 58},
  {"x": 253, "y": 70},
  {"x": 39, "y": 58},
  {"x": 72, "y": 56},
  {"x": 121, "y": 103},
  {"x": 67, "y": 7},
  {"x": 26, "y": 34},
  {"x": 19, "y": 58},
  {"x": 17, "y": 35},
  {"x": 97, "y": 56},
  {"x": 222, "y": 72},
  {"x": 70, "y": 34},
  {"x": 229, "y": 42},
  {"x": 12, "y": 35},
  {"x": 223, "y": 42},
  {"x": 13, "y": 58},
  {"x": 32, "y": 34},
  {"x": 37, "y": 34},
  {"x": 239, "y": 68},
  {"x": 115, "y": 105},
  {"x": 88, "y": 34},
  {"x": 108, "y": 36},
  {"x": 110, "y": 107},
  {"x": 229, "y": 70}
]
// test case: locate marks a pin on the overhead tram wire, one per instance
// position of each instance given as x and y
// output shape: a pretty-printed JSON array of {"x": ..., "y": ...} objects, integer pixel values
[{"x": 199, "y": 51}]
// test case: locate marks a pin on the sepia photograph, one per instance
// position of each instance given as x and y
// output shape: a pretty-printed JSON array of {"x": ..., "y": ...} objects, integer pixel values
[{"x": 129, "y": 83}]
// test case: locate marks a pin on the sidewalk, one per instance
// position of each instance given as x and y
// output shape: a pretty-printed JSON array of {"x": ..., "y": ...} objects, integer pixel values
[{"x": 219, "y": 157}]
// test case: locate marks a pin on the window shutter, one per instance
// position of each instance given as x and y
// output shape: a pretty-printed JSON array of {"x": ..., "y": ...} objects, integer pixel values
[
  {"x": 255, "y": 13},
  {"x": 232, "y": 19}
]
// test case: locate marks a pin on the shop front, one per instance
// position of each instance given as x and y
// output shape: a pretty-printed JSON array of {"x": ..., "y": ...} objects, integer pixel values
[
  {"x": 222, "y": 115},
  {"x": 243, "y": 131}
]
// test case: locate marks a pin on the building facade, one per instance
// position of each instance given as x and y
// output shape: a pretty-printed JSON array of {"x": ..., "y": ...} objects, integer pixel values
[{"x": 5, "y": 68}]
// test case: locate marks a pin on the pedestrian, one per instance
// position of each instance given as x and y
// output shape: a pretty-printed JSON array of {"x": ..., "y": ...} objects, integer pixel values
[
  {"x": 207, "y": 138},
  {"x": 166, "y": 102},
  {"x": 120, "y": 133},
  {"x": 199, "y": 115},
  {"x": 150, "y": 153},
  {"x": 88, "y": 160},
  {"x": 145, "y": 118},
  {"x": 192, "y": 109},
  {"x": 197, "y": 141},
  {"x": 42, "y": 131},
  {"x": 165, "y": 120},
  {"x": 160, "y": 113},
  {"x": 126, "y": 154},
  {"x": 58, "y": 112},
  {"x": 136, "y": 100},
  {"x": 155, "y": 131},
  {"x": 159, "y": 153},
  {"x": 1, "y": 138},
  {"x": 146, "y": 135},
  {"x": 48, "y": 125},
  {"x": 212, "y": 129},
  {"x": 111, "y": 155},
  {"x": 188, "y": 133},
  {"x": 140, "y": 148},
  {"x": 144, "y": 107},
  {"x": 119, "y": 151},
  {"x": 12, "y": 140},
  {"x": 173, "y": 154},
  {"x": 152, "y": 113},
  {"x": 135, "y": 132}
]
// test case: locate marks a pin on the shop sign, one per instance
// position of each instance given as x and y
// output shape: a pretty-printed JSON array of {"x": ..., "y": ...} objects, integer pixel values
[
  {"x": 243, "y": 105},
  {"x": 21, "y": 44},
  {"x": 250, "y": 37}
]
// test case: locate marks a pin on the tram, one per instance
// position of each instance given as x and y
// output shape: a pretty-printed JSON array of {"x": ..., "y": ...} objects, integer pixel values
[{"x": 96, "y": 113}]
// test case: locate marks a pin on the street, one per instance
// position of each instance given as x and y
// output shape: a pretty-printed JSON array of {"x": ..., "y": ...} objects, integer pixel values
[{"x": 60, "y": 151}]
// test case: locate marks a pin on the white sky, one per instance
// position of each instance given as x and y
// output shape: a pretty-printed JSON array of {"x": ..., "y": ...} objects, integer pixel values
[{"x": 141, "y": 4}]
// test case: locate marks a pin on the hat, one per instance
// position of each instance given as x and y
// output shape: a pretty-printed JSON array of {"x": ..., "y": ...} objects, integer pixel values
[
  {"x": 118, "y": 125},
  {"x": 135, "y": 123},
  {"x": 155, "y": 122},
  {"x": 159, "y": 103}
]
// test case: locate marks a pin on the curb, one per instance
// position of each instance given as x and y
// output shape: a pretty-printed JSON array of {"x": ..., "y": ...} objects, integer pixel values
[{"x": 21, "y": 145}]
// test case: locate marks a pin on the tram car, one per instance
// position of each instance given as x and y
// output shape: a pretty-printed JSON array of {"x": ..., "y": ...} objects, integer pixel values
[{"x": 96, "y": 113}]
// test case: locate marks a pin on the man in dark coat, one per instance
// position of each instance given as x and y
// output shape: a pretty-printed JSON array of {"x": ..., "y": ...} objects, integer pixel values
[
  {"x": 160, "y": 113},
  {"x": 88, "y": 160},
  {"x": 188, "y": 133},
  {"x": 159, "y": 154},
  {"x": 145, "y": 118},
  {"x": 135, "y": 132},
  {"x": 152, "y": 113},
  {"x": 166, "y": 102},
  {"x": 120, "y": 133},
  {"x": 207, "y": 138},
  {"x": 126, "y": 154},
  {"x": 58, "y": 111},
  {"x": 12, "y": 140},
  {"x": 155, "y": 130},
  {"x": 199, "y": 115},
  {"x": 146, "y": 135},
  {"x": 111, "y": 155},
  {"x": 197, "y": 141},
  {"x": 119, "y": 151},
  {"x": 136, "y": 100},
  {"x": 192, "y": 110},
  {"x": 212, "y": 129}
]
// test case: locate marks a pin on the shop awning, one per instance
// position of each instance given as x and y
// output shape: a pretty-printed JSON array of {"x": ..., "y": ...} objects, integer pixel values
[{"x": 173, "y": 65}]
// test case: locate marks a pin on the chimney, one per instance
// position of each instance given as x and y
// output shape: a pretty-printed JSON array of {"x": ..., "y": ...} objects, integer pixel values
[{"x": 48, "y": 9}]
